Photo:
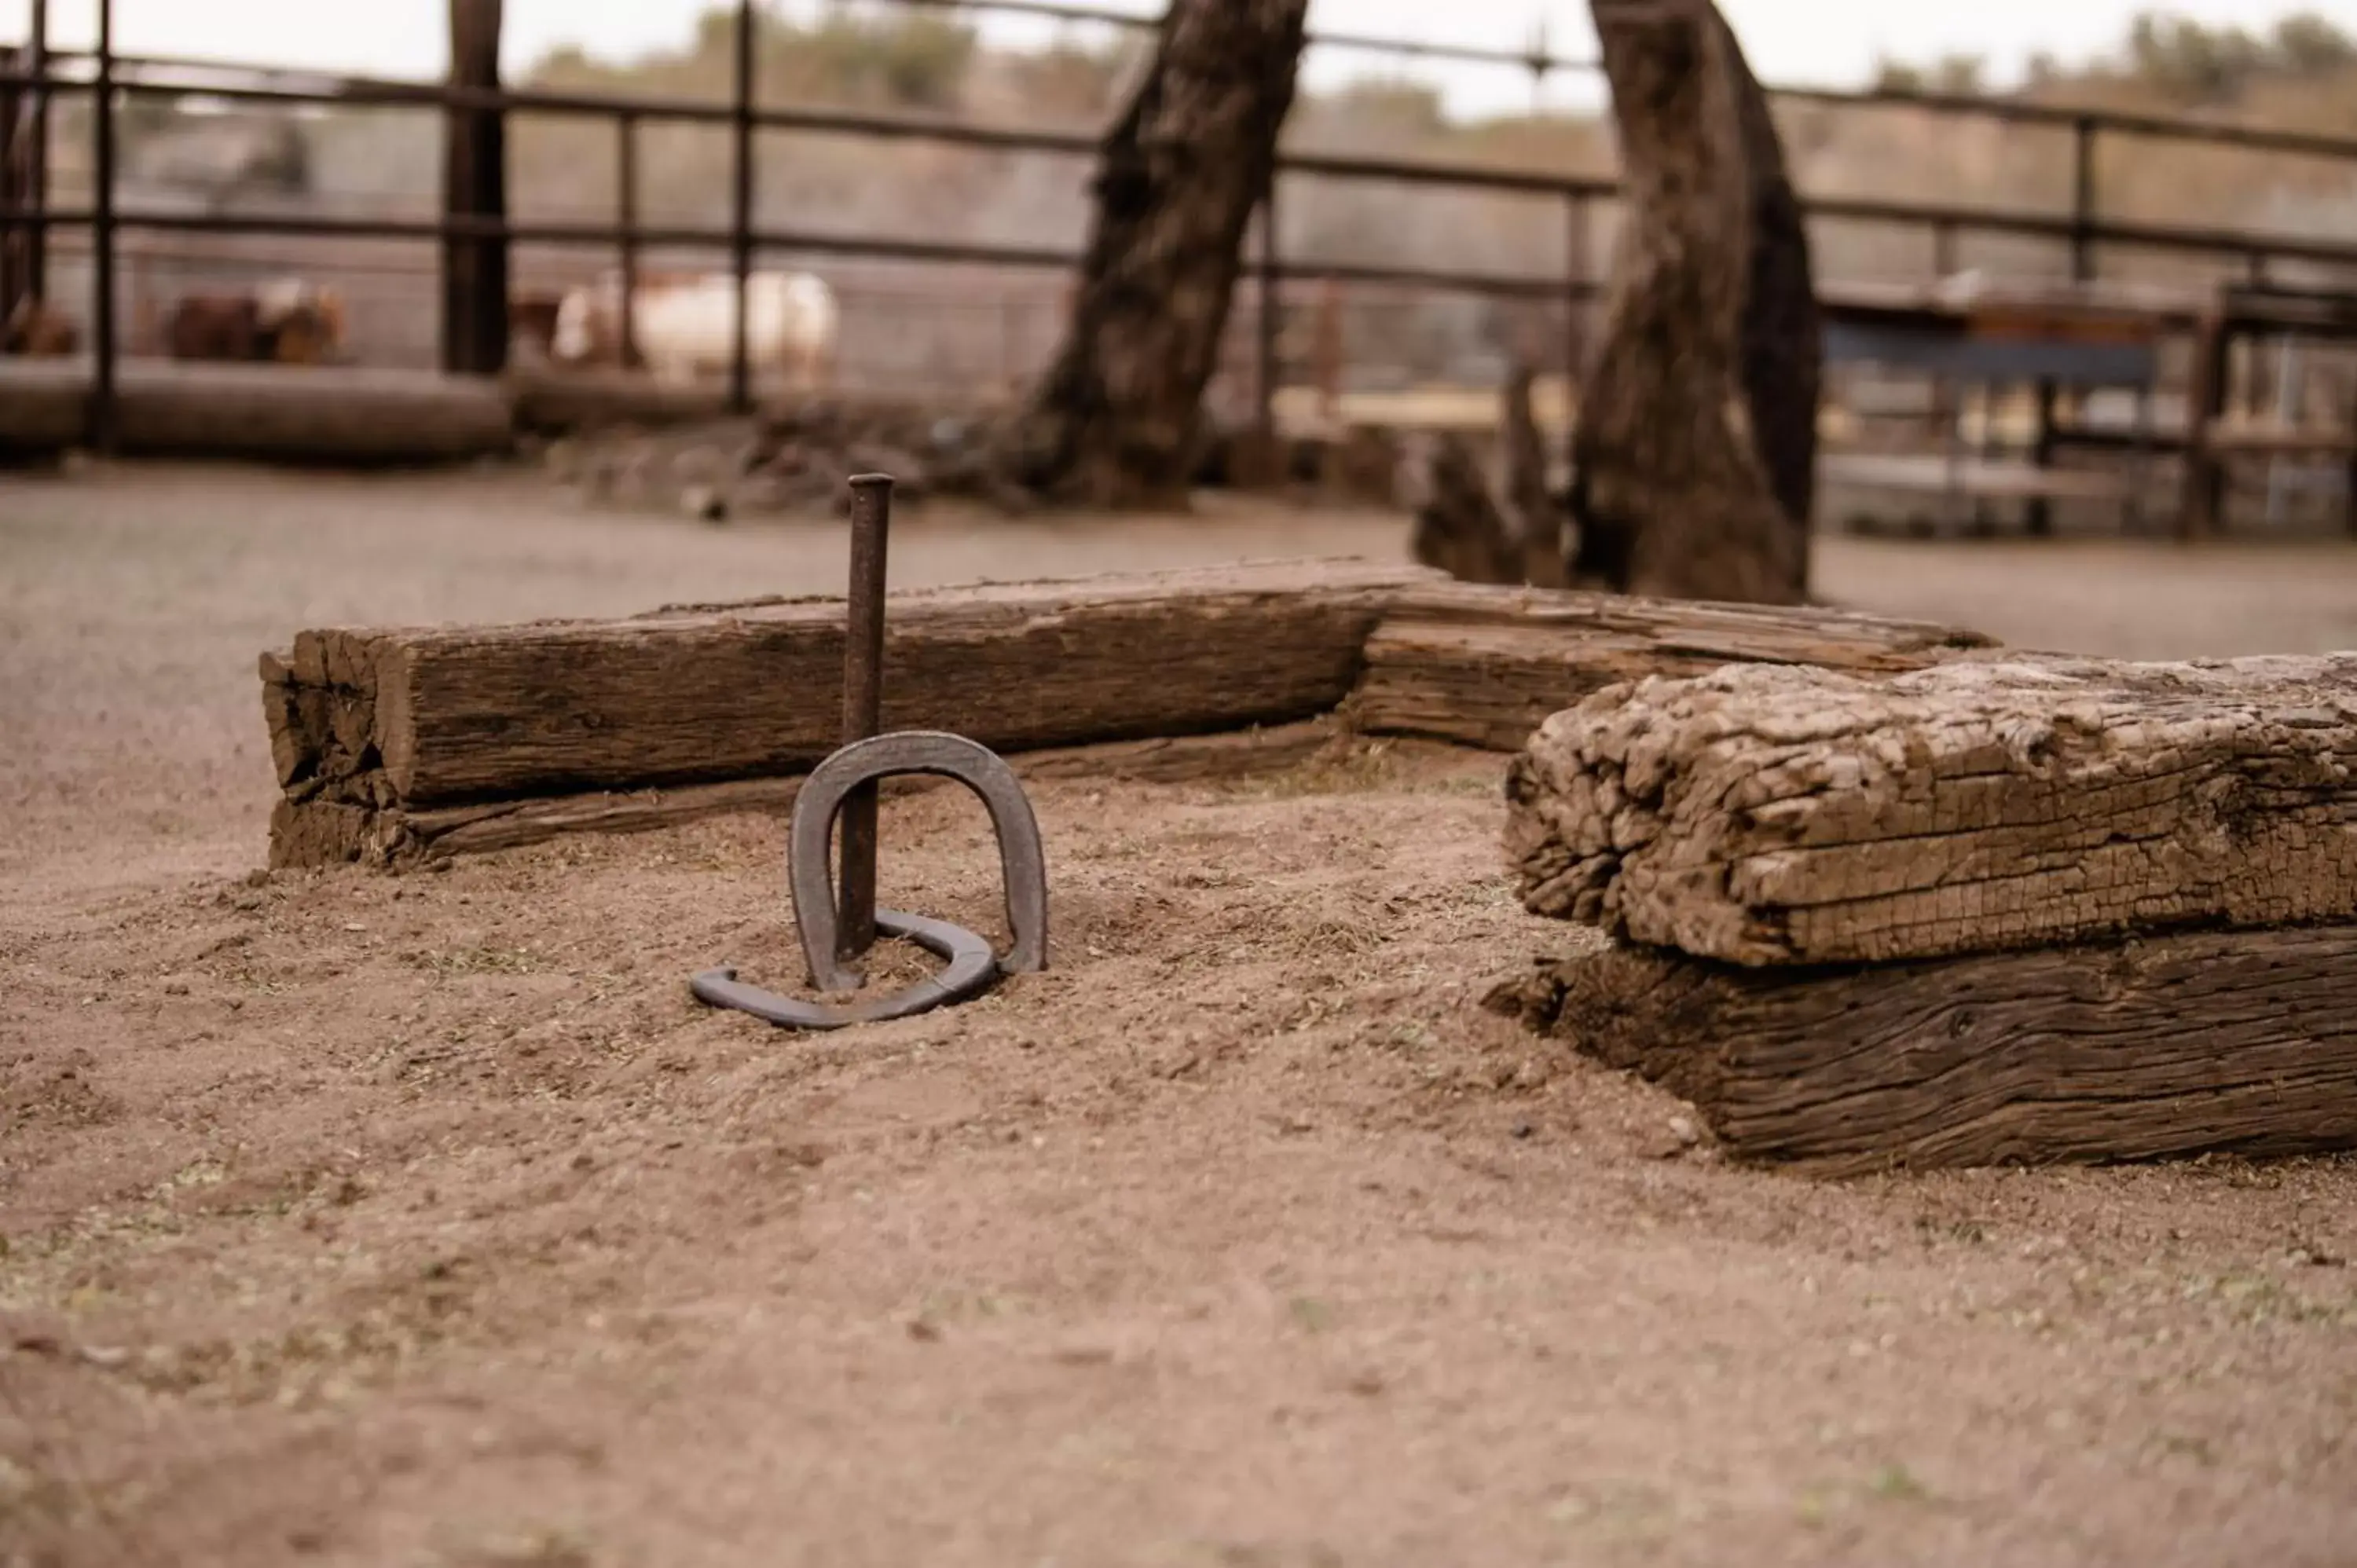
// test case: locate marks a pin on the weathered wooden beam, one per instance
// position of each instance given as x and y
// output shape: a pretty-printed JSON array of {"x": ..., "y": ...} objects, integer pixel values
[
  {"x": 1767, "y": 816},
  {"x": 462, "y": 715},
  {"x": 388, "y": 743},
  {"x": 319, "y": 832},
  {"x": 1487, "y": 668},
  {"x": 2212, "y": 1041}
]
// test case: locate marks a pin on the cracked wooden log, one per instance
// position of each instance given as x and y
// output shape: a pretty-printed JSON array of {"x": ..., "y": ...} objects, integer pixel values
[
  {"x": 393, "y": 742},
  {"x": 456, "y": 715},
  {"x": 322, "y": 831},
  {"x": 2230, "y": 1041},
  {"x": 1771, "y": 816},
  {"x": 1696, "y": 443}
]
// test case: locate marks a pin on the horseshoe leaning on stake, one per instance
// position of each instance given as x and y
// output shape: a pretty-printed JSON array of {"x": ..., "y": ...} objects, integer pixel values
[{"x": 972, "y": 965}]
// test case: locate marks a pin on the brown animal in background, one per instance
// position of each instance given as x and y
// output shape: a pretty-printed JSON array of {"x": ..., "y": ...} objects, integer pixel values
[
  {"x": 305, "y": 322},
  {"x": 214, "y": 326},
  {"x": 36, "y": 331},
  {"x": 291, "y": 322}
]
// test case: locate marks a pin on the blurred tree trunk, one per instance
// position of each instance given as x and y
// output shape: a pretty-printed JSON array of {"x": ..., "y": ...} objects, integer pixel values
[
  {"x": 1116, "y": 421},
  {"x": 1537, "y": 515},
  {"x": 1697, "y": 442},
  {"x": 1480, "y": 532},
  {"x": 474, "y": 184}
]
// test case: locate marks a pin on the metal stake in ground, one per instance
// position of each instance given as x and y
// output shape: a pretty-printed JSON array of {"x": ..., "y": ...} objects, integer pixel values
[
  {"x": 842, "y": 789},
  {"x": 862, "y": 706}
]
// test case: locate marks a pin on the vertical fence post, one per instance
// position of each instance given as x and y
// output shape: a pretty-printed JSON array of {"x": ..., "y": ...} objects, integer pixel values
[
  {"x": 1008, "y": 375},
  {"x": 1574, "y": 298},
  {"x": 101, "y": 303},
  {"x": 34, "y": 189},
  {"x": 2348, "y": 481},
  {"x": 626, "y": 216},
  {"x": 475, "y": 245},
  {"x": 2083, "y": 270},
  {"x": 740, "y": 214},
  {"x": 2205, "y": 400},
  {"x": 1945, "y": 417},
  {"x": 1265, "y": 381},
  {"x": 12, "y": 102},
  {"x": 2083, "y": 199}
]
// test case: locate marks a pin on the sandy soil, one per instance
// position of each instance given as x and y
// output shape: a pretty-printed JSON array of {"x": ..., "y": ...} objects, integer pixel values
[{"x": 352, "y": 1219}]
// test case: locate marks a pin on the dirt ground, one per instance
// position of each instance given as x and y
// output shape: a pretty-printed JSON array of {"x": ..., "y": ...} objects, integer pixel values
[{"x": 427, "y": 1220}]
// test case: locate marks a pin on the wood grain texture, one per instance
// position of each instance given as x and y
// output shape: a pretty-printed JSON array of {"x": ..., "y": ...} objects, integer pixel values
[
  {"x": 2226, "y": 1041},
  {"x": 389, "y": 742},
  {"x": 702, "y": 694},
  {"x": 1763, "y": 815},
  {"x": 321, "y": 832},
  {"x": 1485, "y": 668},
  {"x": 1734, "y": 633}
]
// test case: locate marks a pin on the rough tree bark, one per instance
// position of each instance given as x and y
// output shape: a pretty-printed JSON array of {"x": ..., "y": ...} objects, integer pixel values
[
  {"x": 1115, "y": 422},
  {"x": 1459, "y": 527},
  {"x": 1696, "y": 436},
  {"x": 1512, "y": 532},
  {"x": 474, "y": 184}
]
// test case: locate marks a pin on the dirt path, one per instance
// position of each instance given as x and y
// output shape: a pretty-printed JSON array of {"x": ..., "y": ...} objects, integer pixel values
[{"x": 347, "y": 1218}]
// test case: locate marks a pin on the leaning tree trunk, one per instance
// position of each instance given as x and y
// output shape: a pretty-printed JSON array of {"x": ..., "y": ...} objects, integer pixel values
[
  {"x": 1116, "y": 420},
  {"x": 474, "y": 184},
  {"x": 1697, "y": 440}
]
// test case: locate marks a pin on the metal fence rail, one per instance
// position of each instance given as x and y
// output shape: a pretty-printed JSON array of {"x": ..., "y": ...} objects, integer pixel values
[{"x": 107, "y": 77}]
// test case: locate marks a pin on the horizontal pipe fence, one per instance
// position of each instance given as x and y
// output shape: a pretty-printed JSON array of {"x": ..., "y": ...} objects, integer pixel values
[{"x": 108, "y": 79}]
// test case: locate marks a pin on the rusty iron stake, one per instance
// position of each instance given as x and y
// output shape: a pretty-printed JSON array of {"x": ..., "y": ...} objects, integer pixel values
[
  {"x": 862, "y": 706},
  {"x": 837, "y": 929}
]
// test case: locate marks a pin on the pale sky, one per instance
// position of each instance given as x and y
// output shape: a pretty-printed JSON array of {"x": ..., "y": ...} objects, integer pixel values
[{"x": 1823, "y": 42}]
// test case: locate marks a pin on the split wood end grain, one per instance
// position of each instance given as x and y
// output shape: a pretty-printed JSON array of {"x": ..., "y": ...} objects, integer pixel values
[{"x": 1783, "y": 815}]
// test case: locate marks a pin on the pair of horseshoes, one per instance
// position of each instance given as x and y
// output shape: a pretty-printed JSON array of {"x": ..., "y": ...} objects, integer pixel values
[{"x": 973, "y": 966}]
